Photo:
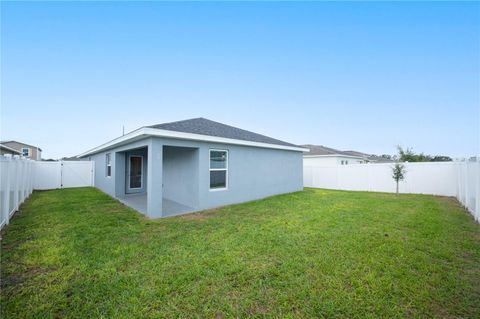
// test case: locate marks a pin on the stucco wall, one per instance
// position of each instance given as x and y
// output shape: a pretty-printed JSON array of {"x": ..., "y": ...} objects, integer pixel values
[
  {"x": 253, "y": 172},
  {"x": 114, "y": 185},
  {"x": 180, "y": 175}
]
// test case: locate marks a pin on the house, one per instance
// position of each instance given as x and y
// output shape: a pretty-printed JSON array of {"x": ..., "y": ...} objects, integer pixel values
[
  {"x": 4, "y": 150},
  {"x": 26, "y": 150},
  {"x": 175, "y": 168},
  {"x": 371, "y": 158},
  {"x": 320, "y": 155}
]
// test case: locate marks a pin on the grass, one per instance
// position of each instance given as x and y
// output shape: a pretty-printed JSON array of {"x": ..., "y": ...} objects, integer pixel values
[{"x": 318, "y": 253}]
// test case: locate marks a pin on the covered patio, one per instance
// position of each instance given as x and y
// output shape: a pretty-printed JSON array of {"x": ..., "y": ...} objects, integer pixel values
[
  {"x": 169, "y": 207},
  {"x": 173, "y": 190}
]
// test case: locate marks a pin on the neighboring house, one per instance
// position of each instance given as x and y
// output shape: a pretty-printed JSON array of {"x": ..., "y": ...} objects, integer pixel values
[
  {"x": 320, "y": 155},
  {"x": 369, "y": 158},
  {"x": 72, "y": 158},
  {"x": 4, "y": 150},
  {"x": 26, "y": 150},
  {"x": 180, "y": 167}
]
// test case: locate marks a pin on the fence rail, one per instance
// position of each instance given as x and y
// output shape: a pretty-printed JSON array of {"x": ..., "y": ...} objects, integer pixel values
[
  {"x": 458, "y": 179},
  {"x": 20, "y": 176}
]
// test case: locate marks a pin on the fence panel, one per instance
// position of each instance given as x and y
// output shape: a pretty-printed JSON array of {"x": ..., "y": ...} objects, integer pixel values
[
  {"x": 20, "y": 176},
  {"x": 48, "y": 175},
  {"x": 77, "y": 173},
  {"x": 469, "y": 186},
  {"x": 63, "y": 174},
  {"x": 15, "y": 185},
  {"x": 459, "y": 179}
]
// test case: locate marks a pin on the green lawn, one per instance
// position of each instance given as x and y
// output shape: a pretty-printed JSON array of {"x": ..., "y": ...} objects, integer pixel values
[{"x": 317, "y": 253}]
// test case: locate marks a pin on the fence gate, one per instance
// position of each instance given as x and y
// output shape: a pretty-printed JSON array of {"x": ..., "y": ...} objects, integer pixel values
[{"x": 63, "y": 174}]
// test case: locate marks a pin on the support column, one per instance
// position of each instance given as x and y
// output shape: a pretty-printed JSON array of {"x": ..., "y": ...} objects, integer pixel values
[
  {"x": 155, "y": 178},
  {"x": 119, "y": 168}
]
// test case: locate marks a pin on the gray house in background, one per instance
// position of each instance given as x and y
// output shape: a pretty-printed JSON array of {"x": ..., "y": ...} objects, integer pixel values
[{"x": 180, "y": 167}]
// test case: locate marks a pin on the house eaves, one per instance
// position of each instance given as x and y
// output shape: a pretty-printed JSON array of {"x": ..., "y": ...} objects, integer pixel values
[{"x": 145, "y": 132}]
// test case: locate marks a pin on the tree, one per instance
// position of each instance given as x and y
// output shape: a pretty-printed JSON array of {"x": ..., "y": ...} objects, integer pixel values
[
  {"x": 441, "y": 158},
  {"x": 398, "y": 173},
  {"x": 407, "y": 155}
]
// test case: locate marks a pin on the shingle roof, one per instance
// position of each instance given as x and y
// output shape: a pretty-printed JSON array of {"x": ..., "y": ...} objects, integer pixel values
[
  {"x": 6, "y": 142},
  {"x": 207, "y": 127},
  {"x": 322, "y": 150}
]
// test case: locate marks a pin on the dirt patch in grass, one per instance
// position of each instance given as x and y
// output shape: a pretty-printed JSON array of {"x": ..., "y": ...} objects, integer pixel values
[
  {"x": 18, "y": 278},
  {"x": 203, "y": 215}
]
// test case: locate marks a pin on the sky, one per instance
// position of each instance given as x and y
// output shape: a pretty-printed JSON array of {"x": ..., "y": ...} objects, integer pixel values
[{"x": 349, "y": 75}]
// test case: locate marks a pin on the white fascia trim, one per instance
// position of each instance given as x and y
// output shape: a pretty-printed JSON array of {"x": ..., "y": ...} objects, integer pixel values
[
  {"x": 147, "y": 131},
  {"x": 334, "y": 155}
]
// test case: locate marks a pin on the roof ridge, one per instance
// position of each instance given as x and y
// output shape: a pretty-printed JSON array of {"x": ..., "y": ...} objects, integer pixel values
[{"x": 204, "y": 126}]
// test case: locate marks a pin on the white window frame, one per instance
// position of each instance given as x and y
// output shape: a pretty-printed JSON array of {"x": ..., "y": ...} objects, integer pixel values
[
  {"x": 210, "y": 169},
  {"x": 108, "y": 164},
  {"x": 29, "y": 151}
]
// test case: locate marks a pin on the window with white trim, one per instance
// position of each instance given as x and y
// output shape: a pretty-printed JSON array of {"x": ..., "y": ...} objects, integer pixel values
[
  {"x": 218, "y": 169},
  {"x": 26, "y": 152},
  {"x": 108, "y": 164}
]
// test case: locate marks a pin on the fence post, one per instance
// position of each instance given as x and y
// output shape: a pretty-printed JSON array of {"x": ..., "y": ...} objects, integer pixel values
[
  {"x": 459, "y": 182},
  {"x": 465, "y": 203},
  {"x": 92, "y": 173},
  {"x": 15, "y": 186},
  {"x": 29, "y": 170},
  {"x": 6, "y": 203},
  {"x": 33, "y": 164},
  {"x": 24, "y": 175},
  {"x": 476, "y": 212},
  {"x": 32, "y": 180}
]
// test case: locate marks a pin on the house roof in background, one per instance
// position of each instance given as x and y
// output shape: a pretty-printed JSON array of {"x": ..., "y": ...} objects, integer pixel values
[
  {"x": 199, "y": 129},
  {"x": 320, "y": 150},
  {"x": 3, "y": 142},
  {"x": 5, "y": 147},
  {"x": 204, "y": 126}
]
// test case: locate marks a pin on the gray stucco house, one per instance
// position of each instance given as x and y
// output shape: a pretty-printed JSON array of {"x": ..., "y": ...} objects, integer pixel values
[{"x": 175, "y": 168}]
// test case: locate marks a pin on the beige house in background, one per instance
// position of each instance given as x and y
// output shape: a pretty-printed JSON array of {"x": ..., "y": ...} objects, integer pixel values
[
  {"x": 4, "y": 150},
  {"x": 26, "y": 150}
]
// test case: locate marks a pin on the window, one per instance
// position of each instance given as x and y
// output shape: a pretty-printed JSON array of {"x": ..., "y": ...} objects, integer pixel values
[
  {"x": 26, "y": 152},
  {"x": 108, "y": 162},
  {"x": 218, "y": 169},
  {"x": 346, "y": 162},
  {"x": 343, "y": 162}
]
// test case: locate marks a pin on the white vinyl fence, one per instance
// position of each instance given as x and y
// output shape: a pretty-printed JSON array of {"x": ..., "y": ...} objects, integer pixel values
[
  {"x": 459, "y": 179},
  {"x": 20, "y": 176},
  {"x": 63, "y": 174},
  {"x": 469, "y": 187},
  {"x": 16, "y": 184}
]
